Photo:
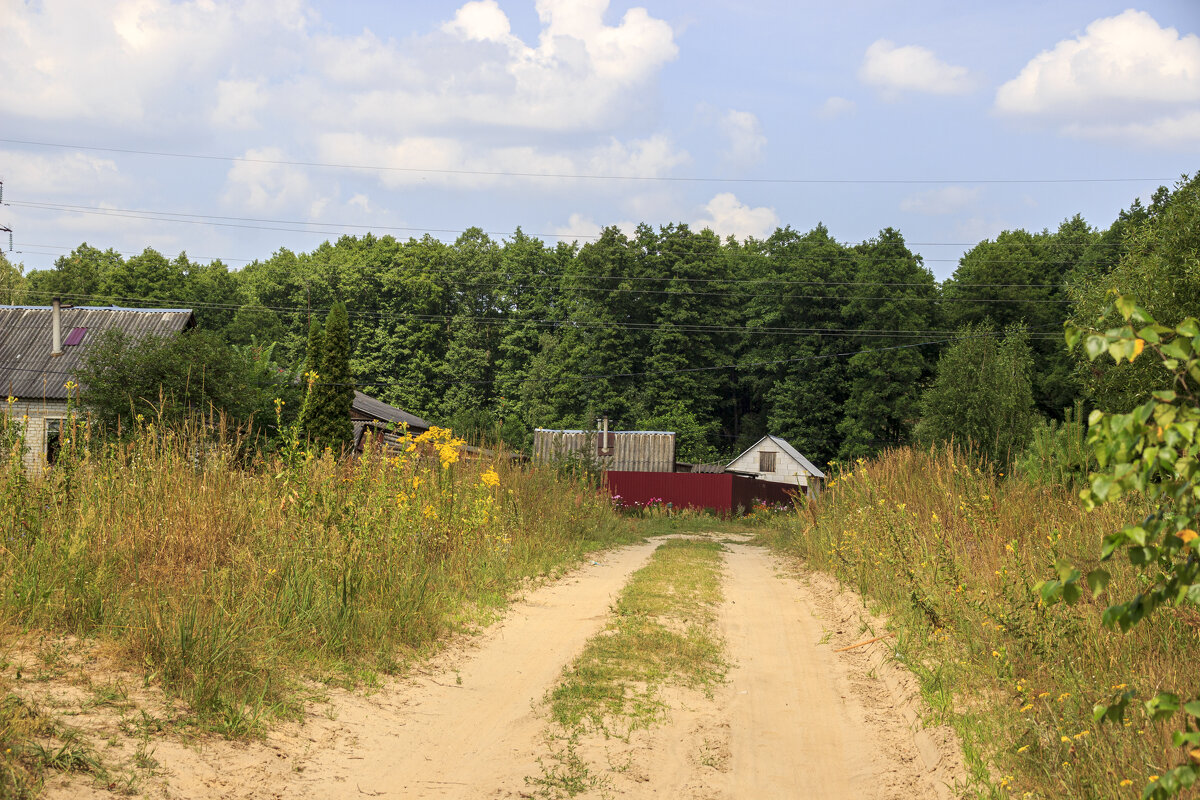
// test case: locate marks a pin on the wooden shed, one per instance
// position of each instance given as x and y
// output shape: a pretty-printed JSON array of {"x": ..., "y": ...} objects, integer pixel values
[
  {"x": 772, "y": 459},
  {"x": 614, "y": 451}
]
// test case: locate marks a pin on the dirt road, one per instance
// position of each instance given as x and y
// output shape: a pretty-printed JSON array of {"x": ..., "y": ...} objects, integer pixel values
[{"x": 794, "y": 718}]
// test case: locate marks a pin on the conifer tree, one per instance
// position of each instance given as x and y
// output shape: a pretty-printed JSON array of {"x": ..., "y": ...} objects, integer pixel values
[
  {"x": 313, "y": 356},
  {"x": 333, "y": 393}
]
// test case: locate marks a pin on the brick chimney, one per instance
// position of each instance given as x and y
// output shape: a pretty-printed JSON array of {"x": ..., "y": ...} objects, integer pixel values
[{"x": 56, "y": 325}]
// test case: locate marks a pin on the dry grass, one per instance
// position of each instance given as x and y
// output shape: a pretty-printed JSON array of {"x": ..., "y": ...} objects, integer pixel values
[
  {"x": 953, "y": 553},
  {"x": 228, "y": 581}
]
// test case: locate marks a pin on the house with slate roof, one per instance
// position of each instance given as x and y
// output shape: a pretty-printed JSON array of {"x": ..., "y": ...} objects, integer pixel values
[
  {"x": 773, "y": 459},
  {"x": 43, "y": 347},
  {"x": 385, "y": 423}
]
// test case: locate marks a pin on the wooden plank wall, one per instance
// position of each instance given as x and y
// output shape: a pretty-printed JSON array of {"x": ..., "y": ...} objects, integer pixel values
[{"x": 638, "y": 451}]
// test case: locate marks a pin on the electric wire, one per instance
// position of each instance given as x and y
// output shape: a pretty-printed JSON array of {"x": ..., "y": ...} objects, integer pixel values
[{"x": 570, "y": 176}]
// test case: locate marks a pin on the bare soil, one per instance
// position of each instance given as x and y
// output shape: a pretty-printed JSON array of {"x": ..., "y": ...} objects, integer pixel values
[{"x": 794, "y": 718}]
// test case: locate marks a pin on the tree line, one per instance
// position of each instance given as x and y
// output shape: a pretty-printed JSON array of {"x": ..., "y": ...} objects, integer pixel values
[{"x": 834, "y": 346}]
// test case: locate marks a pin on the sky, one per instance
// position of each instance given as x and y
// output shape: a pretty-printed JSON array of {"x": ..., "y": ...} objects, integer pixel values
[{"x": 289, "y": 122}]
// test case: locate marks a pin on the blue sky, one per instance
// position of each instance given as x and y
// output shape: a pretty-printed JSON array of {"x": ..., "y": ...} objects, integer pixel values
[{"x": 965, "y": 92}]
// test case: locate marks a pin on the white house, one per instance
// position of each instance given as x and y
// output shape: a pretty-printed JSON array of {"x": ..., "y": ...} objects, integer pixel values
[{"x": 773, "y": 459}]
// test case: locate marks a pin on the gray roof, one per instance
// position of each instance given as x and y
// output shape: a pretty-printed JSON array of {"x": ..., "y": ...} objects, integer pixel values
[
  {"x": 791, "y": 451},
  {"x": 377, "y": 409},
  {"x": 28, "y": 370}
]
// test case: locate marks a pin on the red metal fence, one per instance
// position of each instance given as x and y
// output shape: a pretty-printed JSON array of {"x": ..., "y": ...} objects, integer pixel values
[{"x": 722, "y": 492}]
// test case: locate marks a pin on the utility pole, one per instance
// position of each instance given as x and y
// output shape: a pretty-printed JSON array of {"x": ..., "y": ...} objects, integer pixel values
[{"x": 5, "y": 228}]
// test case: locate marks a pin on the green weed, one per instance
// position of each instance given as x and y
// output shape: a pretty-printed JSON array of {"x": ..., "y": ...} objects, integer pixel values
[{"x": 952, "y": 552}]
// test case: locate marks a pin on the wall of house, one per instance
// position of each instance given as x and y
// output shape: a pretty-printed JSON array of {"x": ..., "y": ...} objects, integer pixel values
[
  {"x": 787, "y": 469},
  {"x": 648, "y": 451},
  {"x": 33, "y": 414}
]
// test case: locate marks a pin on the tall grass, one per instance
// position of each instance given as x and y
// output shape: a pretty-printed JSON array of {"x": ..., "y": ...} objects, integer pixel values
[
  {"x": 228, "y": 581},
  {"x": 952, "y": 552}
]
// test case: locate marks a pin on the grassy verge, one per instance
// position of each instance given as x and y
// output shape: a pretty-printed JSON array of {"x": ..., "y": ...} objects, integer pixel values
[
  {"x": 952, "y": 554},
  {"x": 663, "y": 632},
  {"x": 226, "y": 583}
]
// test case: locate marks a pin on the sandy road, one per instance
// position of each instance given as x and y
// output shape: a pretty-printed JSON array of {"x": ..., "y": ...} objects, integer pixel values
[
  {"x": 791, "y": 725},
  {"x": 793, "y": 720}
]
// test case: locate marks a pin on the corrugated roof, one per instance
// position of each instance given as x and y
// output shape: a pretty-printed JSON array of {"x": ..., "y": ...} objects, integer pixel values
[
  {"x": 377, "y": 409},
  {"x": 787, "y": 448},
  {"x": 28, "y": 370}
]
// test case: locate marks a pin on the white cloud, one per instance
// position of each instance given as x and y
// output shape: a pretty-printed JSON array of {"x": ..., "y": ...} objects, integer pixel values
[
  {"x": 1125, "y": 78},
  {"x": 32, "y": 175},
  {"x": 911, "y": 68},
  {"x": 580, "y": 227},
  {"x": 481, "y": 20},
  {"x": 580, "y": 75},
  {"x": 418, "y": 159},
  {"x": 744, "y": 137},
  {"x": 262, "y": 187},
  {"x": 946, "y": 200},
  {"x": 725, "y": 215},
  {"x": 125, "y": 61},
  {"x": 835, "y": 107},
  {"x": 1182, "y": 131},
  {"x": 238, "y": 103}
]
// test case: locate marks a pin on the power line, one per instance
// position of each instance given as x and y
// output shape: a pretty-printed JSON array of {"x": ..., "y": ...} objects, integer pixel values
[
  {"x": 484, "y": 320},
  {"x": 570, "y": 176},
  {"x": 326, "y": 228},
  {"x": 642, "y": 374}
]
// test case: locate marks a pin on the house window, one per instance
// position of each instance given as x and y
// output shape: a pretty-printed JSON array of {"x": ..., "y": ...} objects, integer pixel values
[
  {"x": 766, "y": 462},
  {"x": 53, "y": 439}
]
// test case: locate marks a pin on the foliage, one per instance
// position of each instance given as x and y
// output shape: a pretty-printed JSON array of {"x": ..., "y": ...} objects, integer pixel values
[
  {"x": 229, "y": 584},
  {"x": 327, "y": 409},
  {"x": 1158, "y": 265},
  {"x": 1152, "y": 452},
  {"x": 825, "y": 343},
  {"x": 169, "y": 379},
  {"x": 1057, "y": 453},
  {"x": 981, "y": 396},
  {"x": 952, "y": 553},
  {"x": 12, "y": 282}
]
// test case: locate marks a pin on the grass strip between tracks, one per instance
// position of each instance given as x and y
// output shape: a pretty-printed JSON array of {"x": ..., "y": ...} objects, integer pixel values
[{"x": 663, "y": 632}]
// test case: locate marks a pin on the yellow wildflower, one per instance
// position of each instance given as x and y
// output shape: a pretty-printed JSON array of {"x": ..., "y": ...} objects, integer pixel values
[
  {"x": 490, "y": 478},
  {"x": 1127, "y": 782}
]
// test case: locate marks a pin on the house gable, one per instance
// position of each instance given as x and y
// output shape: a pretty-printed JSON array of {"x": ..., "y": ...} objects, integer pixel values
[{"x": 774, "y": 459}]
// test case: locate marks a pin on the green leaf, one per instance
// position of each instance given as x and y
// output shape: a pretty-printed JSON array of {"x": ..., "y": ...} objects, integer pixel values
[
  {"x": 1099, "y": 712},
  {"x": 1071, "y": 593},
  {"x": 1050, "y": 591},
  {"x": 1125, "y": 305},
  {"x": 1097, "y": 580},
  {"x": 1177, "y": 348},
  {"x": 1162, "y": 705},
  {"x": 1192, "y": 707},
  {"x": 1180, "y": 738},
  {"x": 1094, "y": 345},
  {"x": 1190, "y": 327}
]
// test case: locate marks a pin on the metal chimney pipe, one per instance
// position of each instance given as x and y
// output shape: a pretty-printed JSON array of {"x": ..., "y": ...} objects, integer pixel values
[{"x": 56, "y": 324}]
